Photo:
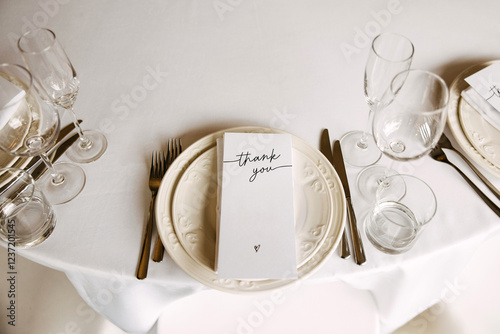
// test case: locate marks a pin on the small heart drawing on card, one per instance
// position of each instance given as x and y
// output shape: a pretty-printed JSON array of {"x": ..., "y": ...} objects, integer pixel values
[{"x": 256, "y": 247}]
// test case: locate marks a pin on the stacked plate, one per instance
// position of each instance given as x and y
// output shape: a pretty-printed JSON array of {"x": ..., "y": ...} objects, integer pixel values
[
  {"x": 186, "y": 212},
  {"x": 476, "y": 137},
  {"x": 7, "y": 160}
]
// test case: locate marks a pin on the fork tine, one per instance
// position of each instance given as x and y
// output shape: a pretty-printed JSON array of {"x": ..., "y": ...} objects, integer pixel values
[
  {"x": 178, "y": 147},
  {"x": 174, "y": 150},
  {"x": 170, "y": 151},
  {"x": 157, "y": 157},
  {"x": 160, "y": 164},
  {"x": 153, "y": 158},
  {"x": 167, "y": 156},
  {"x": 159, "y": 168}
]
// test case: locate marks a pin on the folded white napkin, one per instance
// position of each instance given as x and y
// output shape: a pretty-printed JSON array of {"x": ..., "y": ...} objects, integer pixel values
[
  {"x": 490, "y": 114},
  {"x": 10, "y": 99}
]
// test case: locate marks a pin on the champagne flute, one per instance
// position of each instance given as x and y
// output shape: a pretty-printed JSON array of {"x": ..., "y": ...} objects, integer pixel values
[
  {"x": 389, "y": 54},
  {"x": 410, "y": 126},
  {"x": 29, "y": 127},
  {"x": 57, "y": 83}
]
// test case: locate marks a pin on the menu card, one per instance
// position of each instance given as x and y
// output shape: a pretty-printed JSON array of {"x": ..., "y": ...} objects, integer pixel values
[
  {"x": 487, "y": 83},
  {"x": 484, "y": 93},
  {"x": 256, "y": 232}
]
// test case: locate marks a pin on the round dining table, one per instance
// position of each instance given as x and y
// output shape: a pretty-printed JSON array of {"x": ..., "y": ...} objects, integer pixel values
[{"x": 154, "y": 70}]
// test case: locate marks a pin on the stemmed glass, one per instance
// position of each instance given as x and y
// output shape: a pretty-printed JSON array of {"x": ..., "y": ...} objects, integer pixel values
[
  {"x": 29, "y": 127},
  {"x": 410, "y": 126},
  {"x": 389, "y": 54},
  {"x": 57, "y": 83}
]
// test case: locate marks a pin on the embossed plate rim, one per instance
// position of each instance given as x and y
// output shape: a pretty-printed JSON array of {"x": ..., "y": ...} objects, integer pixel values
[{"x": 459, "y": 133}]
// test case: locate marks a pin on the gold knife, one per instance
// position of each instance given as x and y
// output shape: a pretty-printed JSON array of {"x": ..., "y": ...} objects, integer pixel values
[
  {"x": 357, "y": 243},
  {"x": 63, "y": 147},
  {"x": 326, "y": 148}
]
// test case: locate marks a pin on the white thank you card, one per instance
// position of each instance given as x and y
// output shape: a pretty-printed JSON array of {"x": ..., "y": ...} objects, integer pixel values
[{"x": 256, "y": 233}]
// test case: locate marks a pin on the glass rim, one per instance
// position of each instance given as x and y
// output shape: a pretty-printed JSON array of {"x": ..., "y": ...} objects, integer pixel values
[
  {"x": 23, "y": 69},
  {"x": 436, "y": 77},
  {"x": 392, "y": 60},
  {"x": 45, "y": 49},
  {"x": 17, "y": 173}
]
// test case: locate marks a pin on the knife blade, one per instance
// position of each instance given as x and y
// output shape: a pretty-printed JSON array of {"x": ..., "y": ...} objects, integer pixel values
[
  {"x": 326, "y": 148},
  {"x": 38, "y": 171},
  {"x": 338, "y": 163},
  {"x": 62, "y": 134}
]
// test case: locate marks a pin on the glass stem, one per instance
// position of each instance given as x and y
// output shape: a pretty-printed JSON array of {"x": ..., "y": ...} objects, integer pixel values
[
  {"x": 57, "y": 178},
  {"x": 389, "y": 168},
  {"x": 387, "y": 173},
  {"x": 362, "y": 142},
  {"x": 84, "y": 142}
]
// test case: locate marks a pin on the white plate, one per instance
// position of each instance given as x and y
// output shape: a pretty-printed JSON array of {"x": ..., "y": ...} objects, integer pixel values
[
  {"x": 186, "y": 206},
  {"x": 475, "y": 136},
  {"x": 7, "y": 160}
]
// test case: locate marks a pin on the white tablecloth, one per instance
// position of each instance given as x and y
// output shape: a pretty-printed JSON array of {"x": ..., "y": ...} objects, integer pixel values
[{"x": 158, "y": 69}]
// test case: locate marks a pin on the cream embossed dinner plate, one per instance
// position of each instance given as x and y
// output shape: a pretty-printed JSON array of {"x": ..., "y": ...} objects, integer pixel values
[
  {"x": 7, "y": 160},
  {"x": 186, "y": 211},
  {"x": 475, "y": 136}
]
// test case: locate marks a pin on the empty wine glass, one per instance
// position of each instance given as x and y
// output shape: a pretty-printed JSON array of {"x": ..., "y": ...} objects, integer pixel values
[
  {"x": 57, "y": 83},
  {"x": 410, "y": 125},
  {"x": 389, "y": 54},
  {"x": 29, "y": 127}
]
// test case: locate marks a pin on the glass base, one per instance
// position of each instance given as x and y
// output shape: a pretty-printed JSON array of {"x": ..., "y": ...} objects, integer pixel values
[
  {"x": 69, "y": 188},
  {"x": 370, "y": 178},
  {"x": 81, "y": 154},
  {"x": 359, "y": 155},
  {"x": 378, "y": 245},
  {"x": 40, "y": 235}
]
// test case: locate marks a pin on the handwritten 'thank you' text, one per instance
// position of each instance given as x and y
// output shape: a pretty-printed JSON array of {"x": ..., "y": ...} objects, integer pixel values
[{"x": 245, "y": 158}]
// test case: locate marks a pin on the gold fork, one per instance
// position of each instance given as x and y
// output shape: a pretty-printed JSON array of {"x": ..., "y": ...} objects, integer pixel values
[
  {"x": 158, "y": 168},
  {"x": 174, "y": 149}
]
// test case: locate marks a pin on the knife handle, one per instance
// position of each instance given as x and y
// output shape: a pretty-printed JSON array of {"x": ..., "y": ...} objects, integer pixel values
[
  {"x": 359, "y": 252},
  {"x": 345, "y": 253}
]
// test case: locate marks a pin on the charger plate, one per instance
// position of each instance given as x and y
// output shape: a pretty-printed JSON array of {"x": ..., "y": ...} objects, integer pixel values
[
  {"x": 477, "y": 138},
  {"x": 186, "y": 212}
]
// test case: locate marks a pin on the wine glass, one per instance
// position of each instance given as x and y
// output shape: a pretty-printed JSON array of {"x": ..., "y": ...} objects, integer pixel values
[
  {"x": 29, "y": 127},
  {"x": 410, "y": 126},
  {"x": 57, "y": 83},
  {"x": 389, "y": 54}
]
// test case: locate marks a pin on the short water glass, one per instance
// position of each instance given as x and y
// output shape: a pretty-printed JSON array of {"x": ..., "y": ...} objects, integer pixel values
[
  {"x": 400, "y": 213},
  {"x": 26, "y": 217}
]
